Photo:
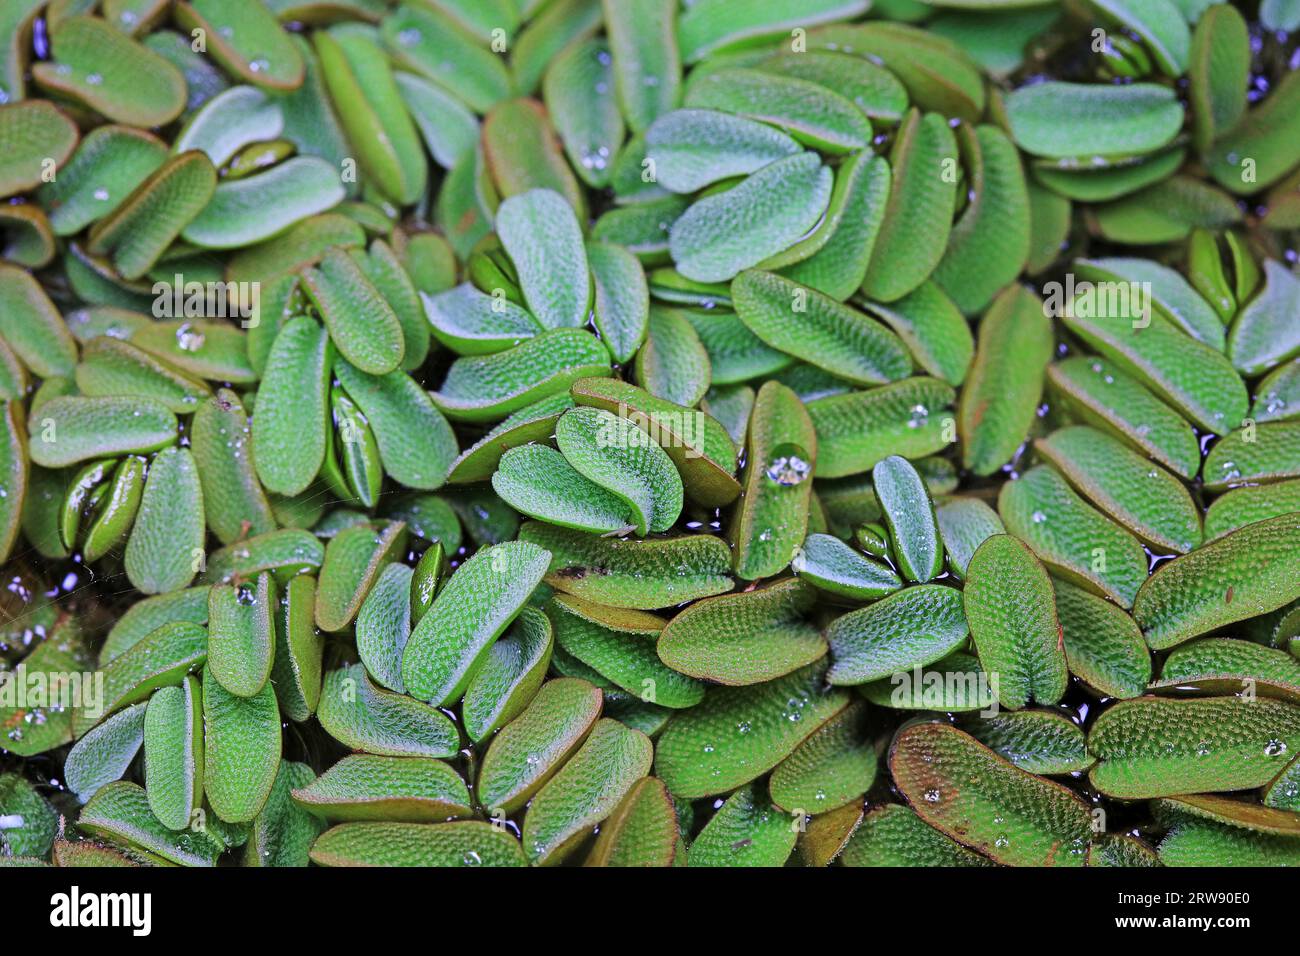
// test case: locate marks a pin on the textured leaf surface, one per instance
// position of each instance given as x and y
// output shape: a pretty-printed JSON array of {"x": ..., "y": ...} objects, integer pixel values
[
  {"x": 1154, "y": 747},
  {"x": 644, "y": 575},
  {"x": 1110, "y": 399},
  {"x": 813, "y": 114},
  {"x": 1143, "y": 498},
  {"x": 166, "y": 544},
  {"x": 723, "y": 234},
  {"x": 830, "y": 565},
  {"x": 1078, "y": 542},
  {"x": 491, "y": 387},
  {"x": 893, "y": 835},
  {"x": 911, "y": 628},
  {"x": 241, "y": 634},
  {"x": 1002, "y": 391},
  {"x": 73, "y": 429},
  {"x": 697, "y": 443},
  {"x": 834, "y": 766},
  {"x": 738, "y": 733},
  {"x": 816, "y": 328},
  {"x": 174, "y": 755},
  {"x": 620, "y": 647},
  {"x": 289, "y": 431},
  {"x": 585, "y": 790},
  {"x": 543, "y": 238},
  {"x": 241, "y": 743},
  {"x": 531, "y": 748},
  {"x": 362, "y": 716},
  {"x": 615, "y": 454},
  {"x": 1241, "y": 575},
  {"x": 120, "y": 812},
  {"x": 642, "y": 830},
  {"x": 1064, "y": 120},
  {"x": 460, "y": 843},
  {"x": 1012, "y": 614},
  {"x": 747, "y": 830},
  {"x": 964, "y": 789},
  {"x": 855, "y": 430},
  {"x": 480, "y": 600},
  {"x": 398, "y": 789},
  {"x": 1103, "y": 644},
  {"x": 745, "y": 638},
  {"x": 772, "y": 519},
  {"x": 694, "y": 148}
]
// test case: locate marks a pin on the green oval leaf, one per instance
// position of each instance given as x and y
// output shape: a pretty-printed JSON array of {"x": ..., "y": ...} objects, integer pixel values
[
  {"x": 1244, "y": 574},
  {"x": 165, "y": 549},
  {"x": 244, "y": 211},
  {"x": 460, "y": 843},
  {"x": 989, "y": 243},
  {"x": 637, "y": 574},
  {"x": 584, "y": 791},
  {"x": 747, "y": 830},
  {"x": 1012, "y": 614},
  {"x": 296, "y": 670},
  {"x": 510, "y": 677},
  {"x": 1156, "y": 747},
  {"x": 120, "y": 812},
  {"x": 1262, "y": 336},
  {"x": 856, "y": 430},
  {"x": 893, "y": 835},
  {"x": 964, "y": 524},
  {"x": 962, "y": 788},
  {"x": 909, "y": 516},
  {"x": 363, "y": 717},
  {"x": 738, "y": 733},
  {"x": 221, "y": 440},
  {"x": 241, "y": 635},
  {"x": 813, "y": 114},
  {"x": 909, "y": 629},
  {"x": 918, "y": 214},
  {"x": 828, "y": 770},
  {"x": 544, "y": 241},
  {"x": 241, "y": 744},
  {"x": 1103, "y": 645},
  {"x": 1005, "y": 383},
  {"x": 723, "y": 234},
  {"x": 1036, "y": 741},
  {"x": 532, "y": 747},
  {"x": 744, "y": 638},
  {"x": 105, "y": 753},
  {"x": 173, "y": 753},
  {"x": 642, "y": 830},
  {"x": 1067, "y": 120},
  {"x": 361, "y": 323},
  {"x": 818, "y": 329},
  {"x": 694, "y": 148},
  {"x": 620, "y": 647},
  {"x": 369, "y": 105},
  {"x": 1144, "y": 498},
  {"x": 451, "y": 642},
  {"x": 399, "y": 789},
  {"x": 1075, "y": 540},
  {"x": 618, "y": 456},
  {"x": 673, "y": 364},
  {"x": 1107, "y": 398},
  {"x": 108, "y": 72},
  {"x": 830, "y": 565},
  {"x": 71, "y": 429},
  {"x": 1193, "y": 377},
  {"x": 484, "y": 388},
  {"x": 138, "y": 232}
]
